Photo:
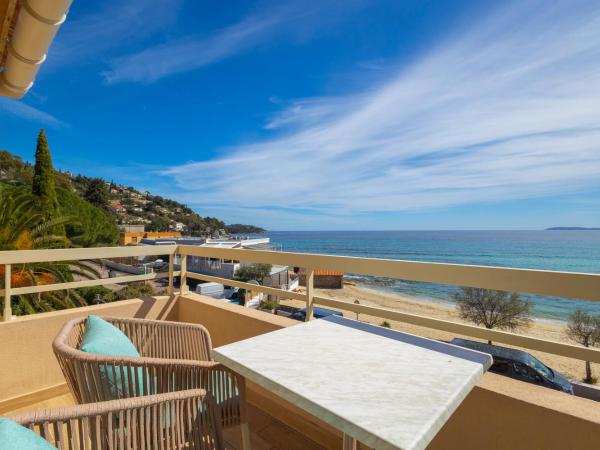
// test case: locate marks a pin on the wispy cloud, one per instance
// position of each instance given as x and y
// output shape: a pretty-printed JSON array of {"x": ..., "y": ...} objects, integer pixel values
[
  {"x": 509, "y": 109},
  {"x": 294, "y": 18},
  {"x": 89, "y": 36},
  {"x": 187, "y": 54},
  {"x": 21, "y": 110}
]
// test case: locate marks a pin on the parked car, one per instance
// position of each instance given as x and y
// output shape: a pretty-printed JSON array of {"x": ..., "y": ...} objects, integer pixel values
[
  {"x": 318, "y": 313},
  {"x": 519, "y": 365},
  {"x": 230, "y": 292}
]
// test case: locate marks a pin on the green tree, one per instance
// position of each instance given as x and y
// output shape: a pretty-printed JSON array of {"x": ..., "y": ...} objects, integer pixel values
[
  {"x": 584, "y": 329},
  {"x": 97, "y": 193},
  {"x": 23, "y": 227},
  {"x": 94, "y": 226},
  {"x": 158, "y": 223},
  {"x": 493, "y": 309},
  {"x": 14, "y": 170},
  {"x": 43, "y": 185},
  {"x": 255, "y": 272}
]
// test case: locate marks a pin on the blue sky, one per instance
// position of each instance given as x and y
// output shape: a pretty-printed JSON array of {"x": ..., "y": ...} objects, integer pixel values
[{"x": 352, "y": 114}]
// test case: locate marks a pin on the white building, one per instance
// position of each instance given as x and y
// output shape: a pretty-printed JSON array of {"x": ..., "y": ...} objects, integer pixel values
[{"x": 224, "y": 268}]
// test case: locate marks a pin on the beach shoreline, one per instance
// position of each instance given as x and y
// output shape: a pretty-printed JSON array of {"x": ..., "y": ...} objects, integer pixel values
[
  {"x": 447, "y": 304},
  {"x": 539, "y": 328}
]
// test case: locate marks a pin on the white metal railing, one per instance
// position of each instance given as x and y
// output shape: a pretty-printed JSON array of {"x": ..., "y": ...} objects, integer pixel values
[{"x": 563, "y": 284}]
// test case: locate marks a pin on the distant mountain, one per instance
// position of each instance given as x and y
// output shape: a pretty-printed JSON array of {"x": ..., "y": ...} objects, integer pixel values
[
  {"x": 571, "y": 228},
  {"x": 238, "y": 228}
]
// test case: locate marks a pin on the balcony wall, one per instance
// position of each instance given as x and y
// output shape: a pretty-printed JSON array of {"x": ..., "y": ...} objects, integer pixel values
[
  {"x": 29, "y": 371},
  {"x": 500, "y": 413}
]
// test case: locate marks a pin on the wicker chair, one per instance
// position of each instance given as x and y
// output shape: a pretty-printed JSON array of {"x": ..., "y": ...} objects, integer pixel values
[
  {"x": 174, "y": 357},
  {"x": 177, "y": 420}
]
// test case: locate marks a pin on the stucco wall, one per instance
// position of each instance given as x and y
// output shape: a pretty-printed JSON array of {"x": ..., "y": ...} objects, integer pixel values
[
  {"x": 500, "y": 413},
  {"x": 27, "y": 362},
  {"x": 325, "y": 281}
]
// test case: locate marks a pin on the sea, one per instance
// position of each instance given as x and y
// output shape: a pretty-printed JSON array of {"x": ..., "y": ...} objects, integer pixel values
[{"x": 563, "y": 250}]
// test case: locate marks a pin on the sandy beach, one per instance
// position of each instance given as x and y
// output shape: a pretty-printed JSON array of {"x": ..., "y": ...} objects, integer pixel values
[{"x": 572, "y": 368}]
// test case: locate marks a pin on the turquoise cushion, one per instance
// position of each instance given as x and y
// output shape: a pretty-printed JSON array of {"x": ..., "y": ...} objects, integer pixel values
[
  {"x": 105, "y": 339},
  {"x": 16, "y": 437},
  {"x": 102, "y": 338}
]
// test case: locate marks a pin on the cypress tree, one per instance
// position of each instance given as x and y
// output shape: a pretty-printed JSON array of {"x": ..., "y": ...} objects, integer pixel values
[{"x": 43, "y": 187}]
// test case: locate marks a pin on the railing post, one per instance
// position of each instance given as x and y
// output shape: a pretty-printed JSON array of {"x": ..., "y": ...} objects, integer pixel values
[
  {"x": 171, "y": 267},
  {"x": 183, "y": 288},
  {"x": 7, "y": 314},
  {"x": 310, "y": 275}
]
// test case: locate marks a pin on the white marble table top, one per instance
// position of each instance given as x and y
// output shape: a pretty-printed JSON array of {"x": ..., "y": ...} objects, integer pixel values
[{"x": 387, "y": 389}]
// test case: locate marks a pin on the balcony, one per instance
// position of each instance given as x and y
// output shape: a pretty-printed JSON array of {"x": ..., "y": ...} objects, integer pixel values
[{"x": 499, "y": 413}]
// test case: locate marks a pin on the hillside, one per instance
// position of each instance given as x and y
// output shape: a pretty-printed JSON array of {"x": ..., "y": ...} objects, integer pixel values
[
  {"x": 238, "y": 228},
  {"x": 572, "y": 229},
  {"x": 156, "y": 213},
  {"x": 123, "y": 204}
]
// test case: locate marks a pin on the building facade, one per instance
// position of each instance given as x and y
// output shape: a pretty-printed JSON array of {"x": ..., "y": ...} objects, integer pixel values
[{"x": 324, "y": 279}]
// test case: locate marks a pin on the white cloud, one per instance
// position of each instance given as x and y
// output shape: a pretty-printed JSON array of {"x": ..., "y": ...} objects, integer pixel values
[
  {"x": 20, "y": 109},
  {"x": 509, "y": 109},
  {"x": 187, "y": 54},
  {"x": 89, "y": 36},
  {"x": 293, "y": 19}
]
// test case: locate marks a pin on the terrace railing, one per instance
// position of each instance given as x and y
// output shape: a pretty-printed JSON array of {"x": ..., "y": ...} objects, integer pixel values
[
  {"x": 20, "y": 257},
  {"x": 584, "y": 286}
]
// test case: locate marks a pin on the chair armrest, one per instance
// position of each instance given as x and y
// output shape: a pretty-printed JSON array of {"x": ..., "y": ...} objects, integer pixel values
[
  {"x": 93, "y": 409},
  {"x": 187, "y": 416},
  {"x": 104, "y": 377}
]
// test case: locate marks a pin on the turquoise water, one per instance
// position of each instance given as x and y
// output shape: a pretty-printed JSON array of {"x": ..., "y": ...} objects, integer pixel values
[{"x": 573, "y": 251}]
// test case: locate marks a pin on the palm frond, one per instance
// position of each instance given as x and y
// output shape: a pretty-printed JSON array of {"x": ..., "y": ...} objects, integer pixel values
[
  {"x": 93, "y": 272},
  {"x": 46, "y": 240},
  {"x": 48, "y": 225}
]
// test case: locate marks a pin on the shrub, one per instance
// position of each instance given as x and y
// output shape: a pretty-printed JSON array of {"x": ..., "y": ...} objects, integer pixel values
[
  {"x": 584, "y": 329},
  {"x": 493, "y": 309}
]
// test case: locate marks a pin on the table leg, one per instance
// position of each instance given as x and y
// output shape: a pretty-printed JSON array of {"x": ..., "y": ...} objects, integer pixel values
[
  {"x": 349, "y": 443},
  {"x": 245, "y": 437}
]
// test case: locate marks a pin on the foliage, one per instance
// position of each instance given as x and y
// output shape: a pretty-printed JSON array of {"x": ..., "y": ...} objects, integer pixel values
[
  {"x": 493, "y": 309},
  {"x": 138, "y": 290},
  {"x": 155, "y": 212},
  {"x": 238, "y": 228},
  {"x": 94, "y": 227},
  {"x": 92, "y": 292},
  {"x": 23, "y": 227},
  {"x": 385, "y": 324},
  {"x": 584, "y": 329},
  {"x": 255, "y": 272},
  {"x": 14, "y": 170},
  {"x": 97, "y": 193},
  {"x": 158, "y": 223},
  {"x": 269, "y": 304},
  {"x": 43, "y": 185}
]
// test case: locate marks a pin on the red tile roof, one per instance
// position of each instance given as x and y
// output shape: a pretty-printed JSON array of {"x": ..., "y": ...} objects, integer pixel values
[{"x": 324, "y": 273}]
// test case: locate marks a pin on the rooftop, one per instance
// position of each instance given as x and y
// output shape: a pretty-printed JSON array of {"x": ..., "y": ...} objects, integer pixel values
[
  {"x": 21, "y": 56},
  {"x": 324, "y": 272}
]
